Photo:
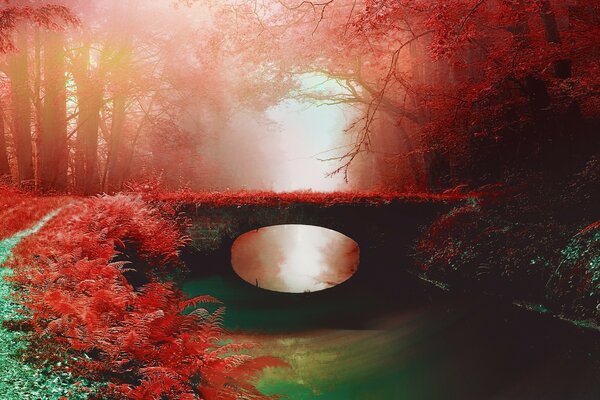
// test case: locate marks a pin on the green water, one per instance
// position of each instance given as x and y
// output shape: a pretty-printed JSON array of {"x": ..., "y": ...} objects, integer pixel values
[{"x": 351, "y": 343}]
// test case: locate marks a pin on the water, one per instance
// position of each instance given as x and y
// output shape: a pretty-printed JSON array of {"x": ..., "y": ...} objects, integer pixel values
[{"x": 383, "y": 334}]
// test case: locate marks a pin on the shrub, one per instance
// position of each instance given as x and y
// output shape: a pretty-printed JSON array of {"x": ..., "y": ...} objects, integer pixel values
[
  {"x": 75, "y": 282},
  {"x": 574, "y": 288},
  {"x": 523, "y": 244}
]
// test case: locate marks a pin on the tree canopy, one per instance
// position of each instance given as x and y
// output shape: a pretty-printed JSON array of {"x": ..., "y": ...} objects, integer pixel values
[{"x": 445, "y": 93}]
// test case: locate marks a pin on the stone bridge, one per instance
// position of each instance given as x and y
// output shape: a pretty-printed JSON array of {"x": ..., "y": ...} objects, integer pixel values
[{"x": 386, "y": 232}]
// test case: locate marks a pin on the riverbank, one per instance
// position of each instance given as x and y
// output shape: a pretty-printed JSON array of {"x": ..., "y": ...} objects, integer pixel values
[
  {"x": 100, "y": 304},
  {"x": 537, "y": 245}
]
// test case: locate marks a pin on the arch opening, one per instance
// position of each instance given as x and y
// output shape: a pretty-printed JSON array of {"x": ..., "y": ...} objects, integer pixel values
[{"x": 294, "y": 258}]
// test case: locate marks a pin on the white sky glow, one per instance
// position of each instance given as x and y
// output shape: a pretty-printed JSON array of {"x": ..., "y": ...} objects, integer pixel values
[{"x": 308, "y": 132}]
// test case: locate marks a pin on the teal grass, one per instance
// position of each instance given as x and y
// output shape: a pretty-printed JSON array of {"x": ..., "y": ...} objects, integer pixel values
[{"x": 18, "y": 380}]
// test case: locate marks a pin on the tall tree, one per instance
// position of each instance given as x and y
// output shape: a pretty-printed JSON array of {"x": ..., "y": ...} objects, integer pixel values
[
  {"x": 18, "y": 72},
  {"x": 14, "y": 29},
  {"x": 497, "y": 76},
  {"x": 4, "y": 165},
  {"x": 90, "y": 93},
  {"x": 53, "y": 150}
]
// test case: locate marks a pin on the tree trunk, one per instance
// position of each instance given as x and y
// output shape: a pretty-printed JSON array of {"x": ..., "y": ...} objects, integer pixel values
[
  {"x": 89, "y": 98},
  {"x": 114, "y": 167},
  {"x": 562, "y": 68},
  {"x": 114, "y": 173},
  {"x": 18, "y": 71},
  {"x": 437, "y": 167},
  {"x": 37, "y": 99},
  {"x": 79, "y": 154},
  {"x": 53, "y": 151},
  {"x": 4, "y": 165}
]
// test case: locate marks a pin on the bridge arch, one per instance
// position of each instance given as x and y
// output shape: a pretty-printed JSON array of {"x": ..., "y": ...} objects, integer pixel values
[{"x": 385, "y": 233}]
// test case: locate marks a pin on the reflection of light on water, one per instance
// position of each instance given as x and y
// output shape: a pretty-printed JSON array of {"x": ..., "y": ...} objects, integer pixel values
[{"x": 294, "y": 258}]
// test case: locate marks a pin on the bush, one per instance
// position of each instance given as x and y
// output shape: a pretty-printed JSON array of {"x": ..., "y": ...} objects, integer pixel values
[
  {"x": 523, "y": 244},
  {"x": 479, "y": 248},
  {"x": 574, "y": 288},
  {"x": 75, "y": 282}
]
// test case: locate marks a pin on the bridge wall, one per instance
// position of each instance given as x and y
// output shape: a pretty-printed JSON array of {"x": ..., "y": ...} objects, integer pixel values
[
  {"x": 385, "y": 233},
  {"x": 369, "y": 225},
  {"x": 382, "y": 231}
]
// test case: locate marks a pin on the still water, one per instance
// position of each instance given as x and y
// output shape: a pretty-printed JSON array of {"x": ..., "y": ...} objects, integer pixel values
[{"x": 383, "y": 334}]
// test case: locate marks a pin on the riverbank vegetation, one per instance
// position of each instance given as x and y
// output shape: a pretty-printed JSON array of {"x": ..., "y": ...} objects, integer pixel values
[
  {"x": 536, "y": 244},
  {"x": 93, "y": 285}
]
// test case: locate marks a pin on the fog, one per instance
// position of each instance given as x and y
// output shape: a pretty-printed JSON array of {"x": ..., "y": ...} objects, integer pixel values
[
  {"x": 187, "y": 96},
  {"x": 282, "y": 149}
]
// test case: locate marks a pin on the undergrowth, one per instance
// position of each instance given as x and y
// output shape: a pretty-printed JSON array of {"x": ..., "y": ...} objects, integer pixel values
[
  {"x": 538, "y": 243},
  {"x": 89, "y": 313},
  {"x": 18, "y": 379}
]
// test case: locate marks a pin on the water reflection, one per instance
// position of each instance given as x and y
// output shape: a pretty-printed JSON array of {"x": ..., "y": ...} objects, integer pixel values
[{"x": 294, "y": 258}]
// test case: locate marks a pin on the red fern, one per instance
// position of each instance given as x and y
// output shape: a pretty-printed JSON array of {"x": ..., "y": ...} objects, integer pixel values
[{"x": 75, "y": 287}]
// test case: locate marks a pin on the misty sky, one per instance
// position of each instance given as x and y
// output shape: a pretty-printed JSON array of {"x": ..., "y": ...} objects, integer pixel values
[{"x": 307, "y": 132}]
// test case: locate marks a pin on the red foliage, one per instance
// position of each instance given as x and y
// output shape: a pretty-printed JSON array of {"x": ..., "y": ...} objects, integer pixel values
[
  {"x": 19, "y": 211},
  {"x": 139, "y": 338},
  {"x": 49, "y": 16},
  {"x": 268, "y": 198},
  {"x": 485, "y": 85}
]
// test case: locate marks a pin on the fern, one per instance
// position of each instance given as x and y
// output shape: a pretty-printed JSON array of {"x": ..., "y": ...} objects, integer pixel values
[{"x": 73, "y": 282}]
